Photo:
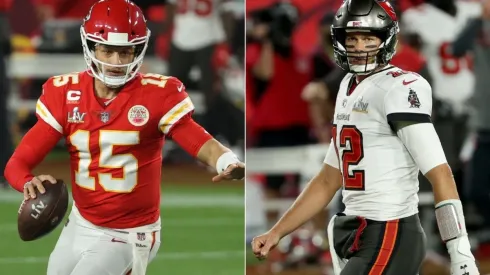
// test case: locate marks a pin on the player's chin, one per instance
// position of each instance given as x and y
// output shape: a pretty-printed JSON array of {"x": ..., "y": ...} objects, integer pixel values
[
  {"x": 357, "y": 62},
  {"x": 115, "y": 74},
  {"x": 360, "y": 61}
]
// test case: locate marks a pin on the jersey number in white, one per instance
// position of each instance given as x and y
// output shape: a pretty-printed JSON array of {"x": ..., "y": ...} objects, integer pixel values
[{"x": 107, "y": 140}]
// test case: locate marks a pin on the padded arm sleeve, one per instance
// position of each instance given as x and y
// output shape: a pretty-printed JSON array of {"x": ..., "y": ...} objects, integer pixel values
[{"x": 424, "y": 145}]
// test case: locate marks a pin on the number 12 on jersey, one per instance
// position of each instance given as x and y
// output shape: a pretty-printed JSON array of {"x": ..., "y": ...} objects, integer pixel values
[{"x": 350, "y": 140}]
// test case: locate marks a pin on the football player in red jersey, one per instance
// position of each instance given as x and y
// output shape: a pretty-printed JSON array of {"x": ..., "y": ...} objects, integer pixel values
[{"x": 114, "y": 121}]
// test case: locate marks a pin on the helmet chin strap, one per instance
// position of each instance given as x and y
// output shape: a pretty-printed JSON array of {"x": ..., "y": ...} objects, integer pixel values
[
  {"x": 97, "y": 70},
  {"x": 364, "y": 69},
  {"x": 111, "y": 81}
]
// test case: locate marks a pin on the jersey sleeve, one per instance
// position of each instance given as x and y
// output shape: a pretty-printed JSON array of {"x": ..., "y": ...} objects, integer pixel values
[
  {"x": 425, "y": 149},
  {"x": 409, "y": 100},
  {"x": 331, "y": 158},
  {"x": 470, "y": 9},
  {"x": 409, "y": 20},
  {"x": 49, "y": 107},
  {"x": 29, "y": 153},
  {"x": 413, "y": 22},
  {"x": 228, "y": 6},
  {"x": 189, "y": 135},
  {"x": 176, "y": 105}
]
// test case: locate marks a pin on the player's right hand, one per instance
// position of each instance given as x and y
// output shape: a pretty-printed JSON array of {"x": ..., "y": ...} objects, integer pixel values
[
  {"x": 260, "y": 31},
  {"x": 314, "y": 91},
  {"x": 263, "y": 244},
  {"x": 485, "y": 9},
  {"x": 36, "y": 182}
]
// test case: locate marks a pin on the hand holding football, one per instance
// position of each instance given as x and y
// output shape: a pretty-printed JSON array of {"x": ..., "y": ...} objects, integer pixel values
[{"x": 41, "y": 215}]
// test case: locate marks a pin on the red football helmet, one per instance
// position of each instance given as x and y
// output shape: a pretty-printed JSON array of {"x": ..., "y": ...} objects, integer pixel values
[{"x": 114, "y": 23}]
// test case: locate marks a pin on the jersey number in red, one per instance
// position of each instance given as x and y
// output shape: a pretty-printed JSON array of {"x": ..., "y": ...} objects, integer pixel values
[
  {"x": 451, "y": 64},
  {"x": 199, "y": 7},
  {"x": 351, "y": 141}
]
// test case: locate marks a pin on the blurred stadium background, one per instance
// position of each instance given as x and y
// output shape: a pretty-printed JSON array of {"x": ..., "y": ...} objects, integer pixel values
[
  {"x": 289, "y": 109},
  {"x": 203, "y": 222}
]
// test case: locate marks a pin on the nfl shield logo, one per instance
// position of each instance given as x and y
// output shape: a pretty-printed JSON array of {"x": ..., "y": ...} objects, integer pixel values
[
  {"x": 104, "y": 117},
  {"x": 141, "y": 236}
]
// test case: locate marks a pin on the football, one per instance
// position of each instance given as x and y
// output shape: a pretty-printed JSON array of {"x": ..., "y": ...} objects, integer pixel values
[{"x": 38, "y": 217}]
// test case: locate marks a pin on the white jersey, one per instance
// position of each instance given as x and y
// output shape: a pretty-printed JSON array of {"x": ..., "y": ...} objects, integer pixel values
[
  {"x": 380, "y": 176},
  {"x": 198, "y": 23},
  {"x": 453, "y": 77}
]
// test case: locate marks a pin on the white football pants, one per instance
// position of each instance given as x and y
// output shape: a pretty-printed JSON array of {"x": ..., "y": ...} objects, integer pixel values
[{"x": 84, "y": 249}]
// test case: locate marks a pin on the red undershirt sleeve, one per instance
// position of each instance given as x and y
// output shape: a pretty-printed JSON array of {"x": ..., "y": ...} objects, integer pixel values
[
  {"x": 33, "y": 148},
  {"x": 189, "y": 135}
]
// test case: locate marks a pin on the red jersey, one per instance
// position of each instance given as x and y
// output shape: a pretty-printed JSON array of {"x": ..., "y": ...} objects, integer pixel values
[
  {"x": 281, "y": 105},
  {"x": 408, "y": 59},
  {"x": 5, "y": 5},
  {"x": 63, "y": 9},
  {"x": 115, "y": 149}
]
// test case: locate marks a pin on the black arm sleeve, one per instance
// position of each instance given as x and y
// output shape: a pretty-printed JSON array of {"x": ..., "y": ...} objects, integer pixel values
[
  {"x": 425, "y": 73},
  {"x": 466, "y": 38},
  {"x": 333, "y": 80}
]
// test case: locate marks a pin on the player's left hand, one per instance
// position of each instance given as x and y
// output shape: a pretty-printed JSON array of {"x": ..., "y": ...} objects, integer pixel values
[
  {"x": 462, "y": 260},
  {"x": 466, "y": 267},
  {"x": 234, "y": 171}
]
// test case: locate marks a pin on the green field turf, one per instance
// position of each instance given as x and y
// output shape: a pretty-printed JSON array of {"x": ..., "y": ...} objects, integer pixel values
[{"x": 203, "y": 233}]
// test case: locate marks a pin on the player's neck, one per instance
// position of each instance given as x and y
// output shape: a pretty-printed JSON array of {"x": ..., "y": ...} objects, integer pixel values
[
  {"x": 360, "y": 78},
  {"x": 102, "y": 91}
]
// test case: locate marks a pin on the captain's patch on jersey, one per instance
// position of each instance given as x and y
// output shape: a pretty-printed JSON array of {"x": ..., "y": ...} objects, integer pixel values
[
  {"x": 413, "y": 99},
  {"x": 138, "y": 115}
]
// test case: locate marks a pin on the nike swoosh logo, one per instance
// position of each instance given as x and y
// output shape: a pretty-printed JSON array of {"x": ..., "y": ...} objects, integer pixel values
[
  {"x": 181, "y": 88},
  {"x": 114, "y": 240},
  {"x": 408, "y": 82}
]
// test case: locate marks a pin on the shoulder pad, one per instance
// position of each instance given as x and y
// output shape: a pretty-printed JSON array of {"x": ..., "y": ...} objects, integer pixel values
[
  {"x": 161, "y": 83},
  {"x": 61, "y": 82}
]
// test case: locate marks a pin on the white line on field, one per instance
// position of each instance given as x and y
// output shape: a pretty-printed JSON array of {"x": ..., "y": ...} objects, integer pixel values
[
  {"x": 170, "y": 200},
  {"x": 210, "y": 222},
  {"x": 160, "y": 257}
]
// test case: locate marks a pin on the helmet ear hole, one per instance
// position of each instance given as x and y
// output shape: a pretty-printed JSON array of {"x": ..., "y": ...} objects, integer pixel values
[
  {"x": 138, "y": 49},
  {"x": 91, "y": 45}
]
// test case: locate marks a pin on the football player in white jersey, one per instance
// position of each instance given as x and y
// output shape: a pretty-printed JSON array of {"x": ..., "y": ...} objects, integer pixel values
[
  {"x": 435, "y": 26},
  {"x": 437, "y": 23},
  {"x": 198, "y": 23},
  {"x": 201, "y": 27},
  {"x": 383, "y": 136}
]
